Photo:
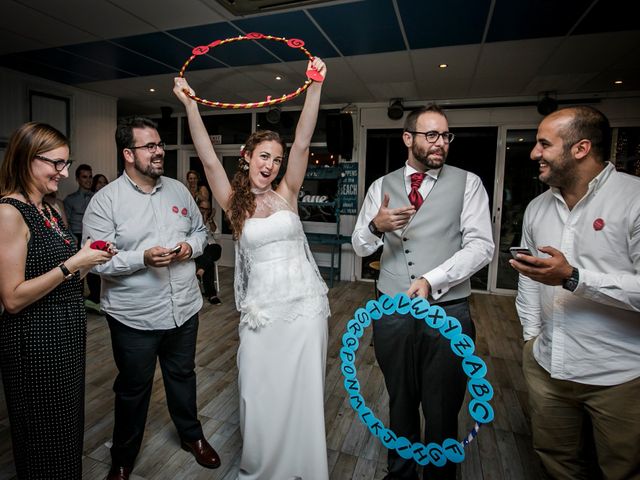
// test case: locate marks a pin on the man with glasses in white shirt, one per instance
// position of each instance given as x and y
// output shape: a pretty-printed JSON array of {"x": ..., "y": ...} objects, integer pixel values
[
  {"x": 579, "y": 300},
  {"x": 150, "y": 293},
  {"x": 433, "y": 223}
]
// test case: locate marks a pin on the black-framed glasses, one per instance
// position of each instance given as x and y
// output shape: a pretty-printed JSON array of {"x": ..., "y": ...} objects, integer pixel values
[
  {"x": 151, "y": 147},
  {"x": 59, "y": 165},
  {"x": 432, "y": 136}
]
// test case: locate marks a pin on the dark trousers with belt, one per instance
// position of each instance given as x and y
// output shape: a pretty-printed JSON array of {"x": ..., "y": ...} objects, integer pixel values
[
  {"x": 420, "y": 369},
  {"x": 135, "y": 353}
]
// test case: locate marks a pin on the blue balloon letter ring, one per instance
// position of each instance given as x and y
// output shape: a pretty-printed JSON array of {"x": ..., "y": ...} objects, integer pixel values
[{"x": 462, "y": 346}]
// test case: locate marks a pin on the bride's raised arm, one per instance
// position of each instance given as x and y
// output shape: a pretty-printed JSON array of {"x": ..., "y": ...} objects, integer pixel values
[
  {"x": 299, "y": 153},
  {"x": 216, "y": 175}
]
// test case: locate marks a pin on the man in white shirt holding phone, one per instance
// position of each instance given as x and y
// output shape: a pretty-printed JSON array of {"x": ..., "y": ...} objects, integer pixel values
[{"x": 579, "y": 300}]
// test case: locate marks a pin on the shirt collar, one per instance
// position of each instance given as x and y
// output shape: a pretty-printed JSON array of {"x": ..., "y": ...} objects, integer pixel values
[
  {"x": 409, "y": 170},
  {"x": 594, "y": 185},
  {"x": 157, "y": 186}
]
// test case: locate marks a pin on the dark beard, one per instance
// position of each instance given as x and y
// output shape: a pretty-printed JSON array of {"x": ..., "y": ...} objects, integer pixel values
[
  {"x": 423, "y": 157},
  {"x": 149, "y": 171},
  {"x": 561, "y": 174}
]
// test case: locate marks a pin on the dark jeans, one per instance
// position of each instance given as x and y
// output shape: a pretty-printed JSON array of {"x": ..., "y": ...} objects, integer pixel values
[
  {"x": 420, "y": 369},
  {"x": 207, "y": 261},
  {"x": 135, "y": 352}
]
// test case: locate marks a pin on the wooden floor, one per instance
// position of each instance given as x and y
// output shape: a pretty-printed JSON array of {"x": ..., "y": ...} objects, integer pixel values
[{"x": 502, "y": 450}]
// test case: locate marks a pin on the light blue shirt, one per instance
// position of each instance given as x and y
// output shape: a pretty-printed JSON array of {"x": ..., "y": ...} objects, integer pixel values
[
  {"x": 75, "y": 204},
  {"x": 142, "y": 297}
]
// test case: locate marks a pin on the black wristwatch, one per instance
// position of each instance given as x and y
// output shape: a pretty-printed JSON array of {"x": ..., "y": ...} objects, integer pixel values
[
  {"x": 65, "y": 271},
  {"x": 571, "y": 283},
  {"x": 373, "y": 229}
]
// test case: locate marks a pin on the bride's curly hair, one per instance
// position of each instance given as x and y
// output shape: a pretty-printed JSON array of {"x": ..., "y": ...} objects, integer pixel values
[{"x": 242, "y": 202}]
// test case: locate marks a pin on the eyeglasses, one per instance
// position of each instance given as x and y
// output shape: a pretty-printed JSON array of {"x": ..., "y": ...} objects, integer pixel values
[
  {"x": 151, "y": 147},
  {"x": 432, "y": 136},
  {"x": 59, "y": 165}
]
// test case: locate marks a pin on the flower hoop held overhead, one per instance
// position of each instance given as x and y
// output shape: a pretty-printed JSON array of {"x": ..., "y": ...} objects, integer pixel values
[{"x": 312, "y": 74}]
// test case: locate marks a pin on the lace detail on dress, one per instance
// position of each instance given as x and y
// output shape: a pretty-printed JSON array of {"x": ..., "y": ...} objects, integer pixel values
[{"x": 276, "y": 275}]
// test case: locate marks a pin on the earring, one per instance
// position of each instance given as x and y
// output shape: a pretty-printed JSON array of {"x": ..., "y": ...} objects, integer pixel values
[{"x": 243, "y": 164}]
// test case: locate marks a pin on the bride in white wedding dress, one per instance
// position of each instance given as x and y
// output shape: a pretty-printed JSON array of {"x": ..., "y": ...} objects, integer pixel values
[{"x": 281, "y": 298}]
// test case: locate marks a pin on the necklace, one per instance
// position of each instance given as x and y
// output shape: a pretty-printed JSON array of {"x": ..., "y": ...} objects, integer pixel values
[
  {"x": 257, "y": 191},
  {"x": 51, "y": 221}
]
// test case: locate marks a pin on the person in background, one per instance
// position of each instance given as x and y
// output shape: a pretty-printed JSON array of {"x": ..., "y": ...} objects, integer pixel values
[
  {"x": 206, "y": 263},
  {"x": 579, "y": 301},
  {"x": 99, "y": 181},
  {"x": 198, "y": 190},
  {"x": 281, "y": 297},
  {"x": 150, "y": 294},
  {"x": 44, "y": 326},
  {"x": 92, "y": 302},
  {"x": 432, "y": 221},
  {"x": 76, "y": 203}
]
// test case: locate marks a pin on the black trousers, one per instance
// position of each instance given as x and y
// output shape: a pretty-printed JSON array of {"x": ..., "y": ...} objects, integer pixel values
[
  {"x": 94, "y": 282},
  {"x": 135, "y": 353},
  {"x": 420, "y": 369},
  {"x": 207, "y": 261}
]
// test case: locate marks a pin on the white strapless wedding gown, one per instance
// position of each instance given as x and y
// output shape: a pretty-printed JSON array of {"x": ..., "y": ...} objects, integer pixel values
[{"x": 282, "y": 353}]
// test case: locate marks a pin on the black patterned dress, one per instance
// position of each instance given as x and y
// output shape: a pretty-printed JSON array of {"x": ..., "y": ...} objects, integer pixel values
[{"x": 42, "y": 356}]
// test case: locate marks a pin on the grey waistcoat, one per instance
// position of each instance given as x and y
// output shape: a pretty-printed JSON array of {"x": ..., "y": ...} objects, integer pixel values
[{"x": 432, "y": 236}]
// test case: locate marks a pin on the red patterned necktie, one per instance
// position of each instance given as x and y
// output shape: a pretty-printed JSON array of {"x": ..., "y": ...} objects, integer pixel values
[{"x": 414, "y": 195}]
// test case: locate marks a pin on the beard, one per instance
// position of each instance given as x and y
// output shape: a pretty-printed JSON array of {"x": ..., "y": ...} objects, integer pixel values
[
  {"x": 559, "y": 173},
  {"x": 427, "y": 157},
  {"x": 150, "y": 170}
]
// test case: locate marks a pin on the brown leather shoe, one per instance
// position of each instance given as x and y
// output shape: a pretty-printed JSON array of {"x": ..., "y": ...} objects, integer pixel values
[
  {"x": 204, "y": 453},
  {"x": 119, "y": 473}
]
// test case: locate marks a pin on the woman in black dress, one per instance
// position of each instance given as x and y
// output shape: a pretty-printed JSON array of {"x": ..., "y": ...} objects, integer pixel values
[{"x": 43, "y": 327}]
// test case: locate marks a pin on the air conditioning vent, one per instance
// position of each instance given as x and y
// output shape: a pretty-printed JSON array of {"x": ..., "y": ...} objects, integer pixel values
[{"x": 241, "y": 8}]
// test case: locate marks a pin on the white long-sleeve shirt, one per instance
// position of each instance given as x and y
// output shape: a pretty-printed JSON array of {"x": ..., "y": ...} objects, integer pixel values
[
  {"x": 591, "y": 335},
  {"x": 475, "y": 222}
]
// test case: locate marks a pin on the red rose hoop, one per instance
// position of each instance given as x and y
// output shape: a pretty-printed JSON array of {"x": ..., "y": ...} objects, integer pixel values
[{"x": 312, "y": 75}]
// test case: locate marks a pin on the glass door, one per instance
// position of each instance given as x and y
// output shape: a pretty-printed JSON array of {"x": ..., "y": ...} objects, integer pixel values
[
  {"x": 520, "y": 185},
  {"x": 229, "y": 156}
]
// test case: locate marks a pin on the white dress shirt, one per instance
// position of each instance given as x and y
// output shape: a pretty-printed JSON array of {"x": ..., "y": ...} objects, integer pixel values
[
  {"x": 137, "y": 295},
  {"x": 475, "y": 222},
  {"x": 591, "y": 335}
]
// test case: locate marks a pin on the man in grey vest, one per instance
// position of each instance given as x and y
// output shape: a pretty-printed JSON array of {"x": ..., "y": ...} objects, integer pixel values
[{"x": 433, "y": 223}]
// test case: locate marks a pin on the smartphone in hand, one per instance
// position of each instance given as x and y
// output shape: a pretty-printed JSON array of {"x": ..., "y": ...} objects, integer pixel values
[
  {"x": 175, "y": 249},
  {"x": 523, "y": 250}
]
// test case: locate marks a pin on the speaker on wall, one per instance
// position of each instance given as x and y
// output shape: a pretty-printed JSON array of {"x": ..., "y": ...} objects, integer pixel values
[{"x": 339, "y": 129}]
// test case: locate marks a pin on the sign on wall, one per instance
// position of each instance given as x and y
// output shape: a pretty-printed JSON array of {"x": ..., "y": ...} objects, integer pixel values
[{"x": 349, "y": 189}]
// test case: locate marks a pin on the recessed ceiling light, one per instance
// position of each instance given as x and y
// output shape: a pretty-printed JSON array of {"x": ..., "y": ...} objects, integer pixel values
[
  {"x": 152, "y": 89},
  {"x": 278, "y": 77},
  {"x": 618, "y": 82},
  {"x": 443, "y": 65},
  {"x": 521, "y": 139}
]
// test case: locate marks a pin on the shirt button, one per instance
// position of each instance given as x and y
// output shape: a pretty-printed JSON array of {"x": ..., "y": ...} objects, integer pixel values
[
  {"x": 412, "y": 277},
  {"x": 410, "y": 263},
  {"x": 407, "y": 251},
  {"x": 405, "y": 239}
]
